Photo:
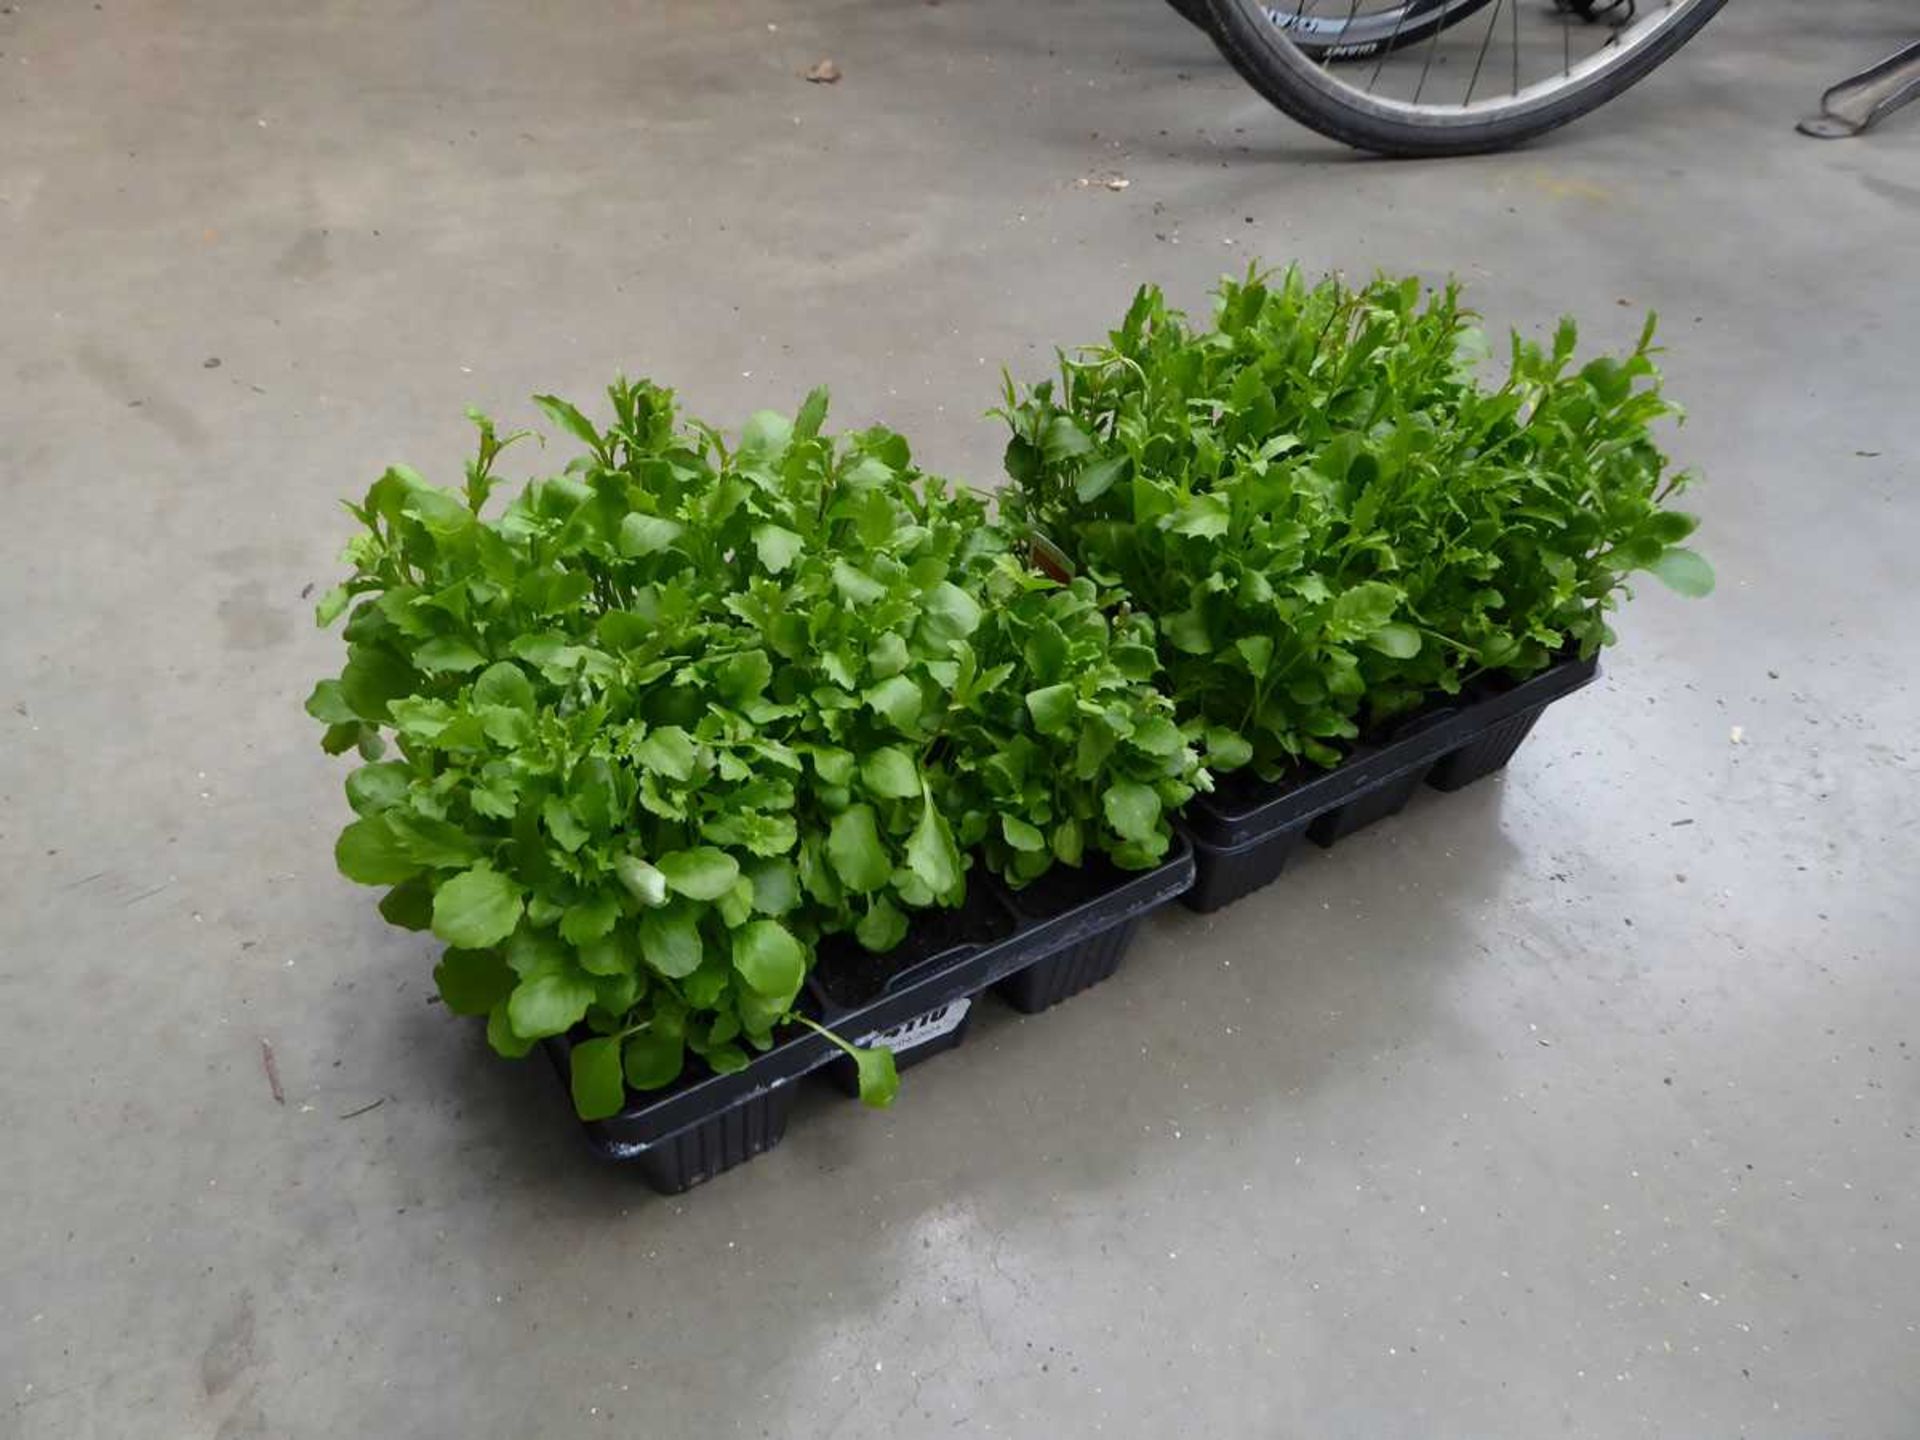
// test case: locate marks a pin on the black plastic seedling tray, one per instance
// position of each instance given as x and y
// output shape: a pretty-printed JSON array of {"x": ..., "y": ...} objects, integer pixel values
[
  {"x": 1035, "y": 946},
  {"x": 1244, "y": 832}
]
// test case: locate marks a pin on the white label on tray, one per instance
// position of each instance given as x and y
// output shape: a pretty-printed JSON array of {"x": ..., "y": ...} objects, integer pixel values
[{"x": 921, "y": 1029}]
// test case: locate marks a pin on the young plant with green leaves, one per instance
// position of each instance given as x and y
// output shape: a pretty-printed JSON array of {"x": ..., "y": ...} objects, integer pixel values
[
  {"x": 1083, "y": 755},
  {"x": 665, "y": 721},
  {"x": 1329, "y": 515}
]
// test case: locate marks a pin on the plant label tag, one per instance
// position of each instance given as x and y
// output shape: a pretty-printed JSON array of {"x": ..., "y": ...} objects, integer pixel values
[{"x": 918, "y": 1031}]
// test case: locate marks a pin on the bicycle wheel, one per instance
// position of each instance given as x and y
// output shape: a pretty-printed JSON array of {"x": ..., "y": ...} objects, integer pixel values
[{"x": 1515, "y": 72}]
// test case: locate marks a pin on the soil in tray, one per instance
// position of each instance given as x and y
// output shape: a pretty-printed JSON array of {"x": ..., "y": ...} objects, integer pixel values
[
  {"x": 849, "y": 975},
  {"x": 1066, "y": 886}
]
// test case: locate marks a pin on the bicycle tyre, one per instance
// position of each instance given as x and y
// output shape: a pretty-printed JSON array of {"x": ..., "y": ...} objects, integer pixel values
[{"x": 1297, "y": 84}]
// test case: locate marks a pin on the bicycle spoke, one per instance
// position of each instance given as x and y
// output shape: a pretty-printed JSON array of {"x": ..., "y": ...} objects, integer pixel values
[
  {"x": 1393, "y": 39},
  {"x": 1515, "y": 12},
  {"x": 1481, "y": 59}
]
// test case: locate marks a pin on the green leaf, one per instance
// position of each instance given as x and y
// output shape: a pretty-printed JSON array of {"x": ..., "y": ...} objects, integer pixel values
[
  {"x": 1227, "y": 750},
  {"x": 882, "y": 927},
  {"x": 766, "y": 435},
  {"x": 328, "y": 704},
  {"x": 834, "y": 767},
  {"x": 853, "y": 845},
  {"x": 1067, "y": 842},
  {"x": 373, "y": 679},
  {"x": 1206, "y": 516},
  {"x": 888, "y": 656},
  {"x": 475, "y": 909},
  {"x": 948, "y": 613},
  {"x": 1097, "y": 477},
  {"x": 777, "y": 547},
  {"x": 501, "y": 1037},
  {"x": 776, "y": 886},
  {"x": 504, "y": 683},
  {"x": 549, "y": 1004},
  {"x": 1365, "y": 608},
  {"x": 737, "y": 904},
  {"x": 1052, "y": 707},
  {"x": 472, "y": 982},
  {"x": 591, "y": 918},
  {"x": 1402, "y": 642},
  {"x": 1670, "y": 527},
  {"x": 654, "y": 1058},
  {"x": 614, "y": 995},
  {"x": 879, "y": 1078},
  {"x": 667, "y": 750},
  {"x": 1187, "y": 629},
  {"x": 569, "y": 419},
  {"x": 439, "y": 509},
  {"x": 421, "y": 719},
  {"x": 373, "y": 788},
  {"x": 856, "y": 587},
  {"x": 1132, "y": 809},
  {"x": 563, "y": 824},
  {"x": 648, "y": 535},
  {"x": 741, "y": 678},
  {"x": 1157, "y": 735},
  {"x": 1046, "y": 652},
  {"x": 409, "y": 904},
  {"x": 1257, "y": 651},
  {"x": 670, "y": 941},
  {"x": 762, "y": 835},
  {"x": 931, "y": 853},
  {"x": 1020, "y": 835},
  {"x": 898, "y": 699},
  {"x": 331, "y": 605},
  {"x": 1683, "y": 571},
  {"x": 609, "y": 956},
  {"x": 448, "y": 653},
  {"x": 368, "y": 852},
  {"x": 365, "y": 738},
  {"x": 702, "y": 873},
  {"x": 1136, "y": 662},
  {"x": 890, "y": 773},
  {"x": 1063, "y": 440},
  {"x": 506, "y": 727},
  {"x": 813, "y": 414},
  {"x": 431, "y": 842},
  {"x": 642, "y": 881},
  {"x": 768, "y": 958},
  {"x": 599, "y": 1083}
]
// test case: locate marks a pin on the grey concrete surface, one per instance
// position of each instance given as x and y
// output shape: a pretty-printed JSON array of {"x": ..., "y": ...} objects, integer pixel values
[{"x": 1582, "y": 1103}]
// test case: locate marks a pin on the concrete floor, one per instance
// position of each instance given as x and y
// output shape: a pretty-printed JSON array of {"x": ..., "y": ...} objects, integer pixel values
[{"x": 1582, "y": 1103}]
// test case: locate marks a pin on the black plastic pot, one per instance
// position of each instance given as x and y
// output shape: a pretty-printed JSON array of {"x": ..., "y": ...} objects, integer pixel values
[
  {"x": 1037, "y": 946},
  {"x": 1244, "y": 832}
]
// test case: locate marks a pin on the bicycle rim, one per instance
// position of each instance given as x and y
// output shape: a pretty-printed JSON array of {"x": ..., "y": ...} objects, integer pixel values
[{"x": 1361, "y": 34}]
